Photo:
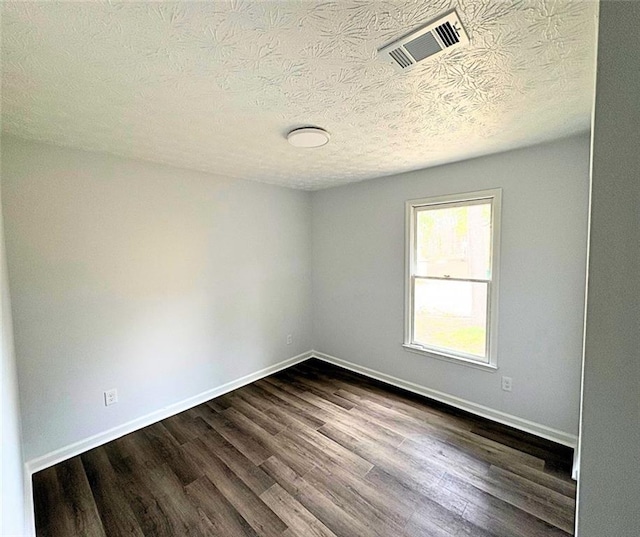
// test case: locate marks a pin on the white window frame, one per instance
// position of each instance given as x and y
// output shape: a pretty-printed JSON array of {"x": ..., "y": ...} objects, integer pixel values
[{"x": 412, "y": 208}]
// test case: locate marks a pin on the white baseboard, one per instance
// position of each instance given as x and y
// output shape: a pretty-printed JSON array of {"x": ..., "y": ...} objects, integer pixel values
[
  {"x": 29, "y": 507},
  {"x": 45, "y": 461},
  {"x": 537, "y": 429},
  {"x": 71, "y": 450},
  {"x": 575, "y": 469}
]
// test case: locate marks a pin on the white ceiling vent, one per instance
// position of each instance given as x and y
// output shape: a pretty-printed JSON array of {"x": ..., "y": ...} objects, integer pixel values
[{"x": 443, "y": 34}]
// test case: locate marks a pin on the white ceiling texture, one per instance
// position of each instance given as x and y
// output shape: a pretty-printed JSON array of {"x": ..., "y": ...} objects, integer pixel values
[{"x": 215, "y": 86}]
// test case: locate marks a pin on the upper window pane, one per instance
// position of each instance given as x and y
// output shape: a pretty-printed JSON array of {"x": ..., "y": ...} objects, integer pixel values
[{"x": 454, "y": 241}]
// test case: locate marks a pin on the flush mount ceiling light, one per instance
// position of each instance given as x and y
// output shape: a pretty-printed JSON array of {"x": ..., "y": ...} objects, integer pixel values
[{"x": 308, "y": 137}]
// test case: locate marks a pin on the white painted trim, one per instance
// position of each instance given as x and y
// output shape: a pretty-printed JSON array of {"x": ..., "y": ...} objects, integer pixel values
[
  {"x": 521, "y": 424},
  {"x": 412, "y": 207},
  {"x": 483, "y": 366},
  {"x": 66, "y": 452},
  {"x": 45, "y": 461},
  {"x": 29, "y": 506}
]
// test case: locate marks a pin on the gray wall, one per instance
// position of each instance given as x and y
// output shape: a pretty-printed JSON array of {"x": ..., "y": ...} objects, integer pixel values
[
  {"x": 358, "y": 278},
  {"x": 162, "y": 283},
  {"x": 609, "y": 485},
  {"x": 12, "y": 513}
]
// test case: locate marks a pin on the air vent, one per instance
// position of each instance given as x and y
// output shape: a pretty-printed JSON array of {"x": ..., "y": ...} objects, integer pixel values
[{"x": 443, "y": 34}]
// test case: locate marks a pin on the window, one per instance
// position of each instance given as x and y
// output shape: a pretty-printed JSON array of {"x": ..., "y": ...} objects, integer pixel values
[{"x": 451, "y": 280}]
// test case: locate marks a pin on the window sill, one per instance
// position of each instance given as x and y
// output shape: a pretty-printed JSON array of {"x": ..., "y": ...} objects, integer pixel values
[{"x": 491, "y": 368}]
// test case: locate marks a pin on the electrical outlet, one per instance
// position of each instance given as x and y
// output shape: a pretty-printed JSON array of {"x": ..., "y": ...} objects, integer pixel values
[
  {"x": 110, "y": 397},
  {"x": 289, "y": 339},
  {"x": 507, "y": 384}
]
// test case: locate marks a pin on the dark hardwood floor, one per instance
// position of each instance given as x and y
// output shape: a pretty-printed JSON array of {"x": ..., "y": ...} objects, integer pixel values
[{"x": 313, "y": 451}]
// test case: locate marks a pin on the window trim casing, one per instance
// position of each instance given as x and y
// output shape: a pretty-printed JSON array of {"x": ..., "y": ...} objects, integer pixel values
[{"x": 411, "y": 207}]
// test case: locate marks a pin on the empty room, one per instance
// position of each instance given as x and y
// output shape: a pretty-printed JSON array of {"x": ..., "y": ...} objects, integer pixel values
[{"x": 333, "y": 269}]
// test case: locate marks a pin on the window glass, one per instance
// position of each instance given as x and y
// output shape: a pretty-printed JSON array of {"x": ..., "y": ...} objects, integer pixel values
[
  {"x": 454, "y": 241},
  {"x": 453, "y": 244},
  {"x": 451, "y": 315}
]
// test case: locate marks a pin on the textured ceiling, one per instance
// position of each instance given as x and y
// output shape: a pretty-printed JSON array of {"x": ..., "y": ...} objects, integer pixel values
[{"x": 215, "y": 86}]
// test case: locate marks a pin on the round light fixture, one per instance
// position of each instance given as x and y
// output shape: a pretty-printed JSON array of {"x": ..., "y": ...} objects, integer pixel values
[{"x": 308, "y": 137}]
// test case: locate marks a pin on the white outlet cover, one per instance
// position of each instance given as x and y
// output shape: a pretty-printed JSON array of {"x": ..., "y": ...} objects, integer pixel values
[{"x": 110, "y": 397}]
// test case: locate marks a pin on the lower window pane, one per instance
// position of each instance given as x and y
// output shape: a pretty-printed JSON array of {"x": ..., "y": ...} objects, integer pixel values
[{"x": 451, "y": 315}]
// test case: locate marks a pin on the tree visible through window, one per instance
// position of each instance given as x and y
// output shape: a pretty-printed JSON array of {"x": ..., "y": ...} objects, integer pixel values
[{"x": 451, "y": 285}]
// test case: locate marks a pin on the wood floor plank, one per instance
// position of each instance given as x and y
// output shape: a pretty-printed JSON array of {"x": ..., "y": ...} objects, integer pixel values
[
  {"x": 388, "y": 458},
  {"x": 297, "y": 408},
  {"x": 480, "y": 461},
  {"x": 294, "y": 454},
  {"x": 79, "y": 499},
  {"x": 344, "y": 381},
  {"x": 527, "y": 498},
  {"x": 312, "y": 386},
  {"x": 137, "y": 485},
  {"x": 396, "y": 510},
  {"x": 115, "y": 512},
  {"x": 413, "y": 428},
  {"x": 498, "y": 516},
  {"x": 179, "y": 515},
  {"x": 542, "y": 477},
  {"x": 53, "y": 516},
  {"x": 538, "y": 447},
  {"x": 354, "y": 503},
  {"x": 432, "y": 519},
  {"x": 294, "y": 514},
  {"x": 333, "y": 415},
  {"x": 243, "y": 499},
  {"x": 261, "y": 440},
  {"x": 280, "y": 410},
  {"x": 255, "y": 414},
  {"x": 168, "y": 450},
  {"x": 416, "y": 489},
  {"x": 185, "y": 426},
  {"x": 214, "y": 405},
  {"x": 545, "y": 504},
  {"x": 320, "y": 407},
  {"x": 326, "y": 448},
  {"x": 313, "y": 451},
  {"x": 252, "y": 447},
  {"x": 137, "y": 447},
  {"x": 225, "y": 519},
  {"x": 330, "y": 511},
  {"x": 534, "y": 483},
  {"x": 427, "y": 411},
  {"x": 482, "y": 446},
  {"x": 443, "y": 455},
  {"x": 253, "y": 476}
]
